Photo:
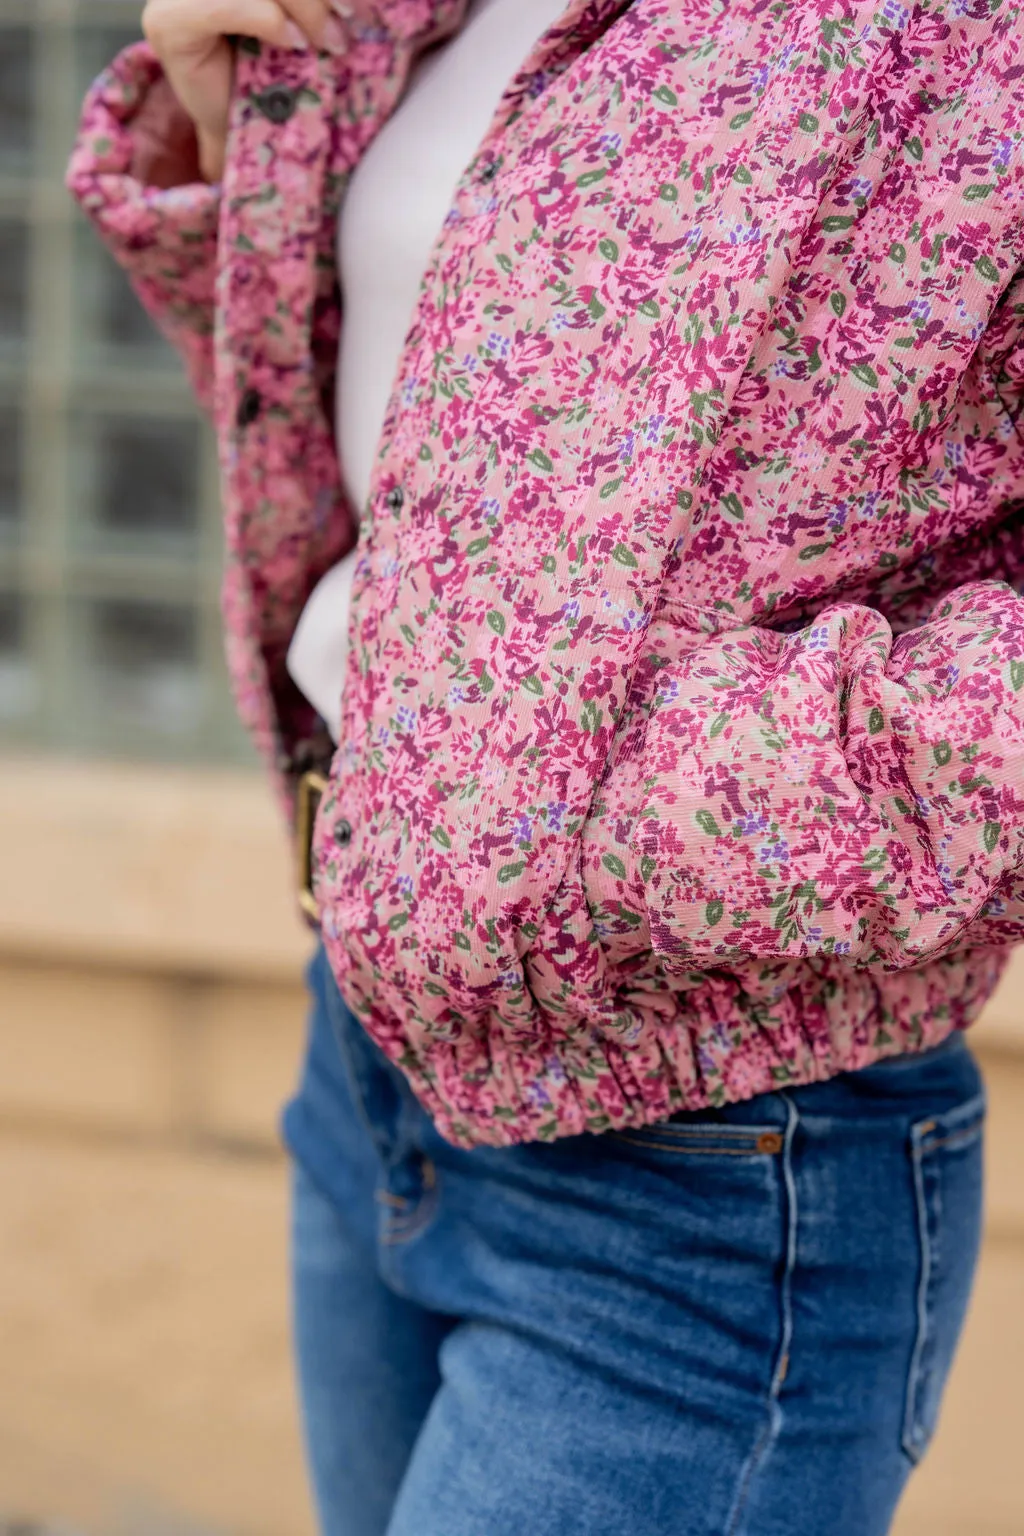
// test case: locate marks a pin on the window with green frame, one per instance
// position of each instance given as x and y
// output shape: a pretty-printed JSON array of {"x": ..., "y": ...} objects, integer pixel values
[{"x": 110, "y": 541}]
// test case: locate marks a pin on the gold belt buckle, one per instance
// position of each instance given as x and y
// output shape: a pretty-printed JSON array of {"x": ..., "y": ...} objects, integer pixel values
[{"x": 311, "y": 790}]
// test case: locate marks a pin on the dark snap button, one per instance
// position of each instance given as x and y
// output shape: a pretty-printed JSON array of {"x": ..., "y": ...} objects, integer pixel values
[
  {"x": 249, "y": 407},
  {"x": 490, "y": 170},
  {"x": 278, "y": 103},
  {"x": 395, "y": 499},
  {"x": 343, "y": 833}
]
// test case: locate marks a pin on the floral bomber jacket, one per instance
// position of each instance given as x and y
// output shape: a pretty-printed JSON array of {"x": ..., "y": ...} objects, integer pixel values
[{"x": 683, "y": 731}]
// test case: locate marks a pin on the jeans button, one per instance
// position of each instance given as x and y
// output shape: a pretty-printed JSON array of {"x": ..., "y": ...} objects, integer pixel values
[
  {"x": 343, "y": 833},
  {"x": 395, "y": 499}
]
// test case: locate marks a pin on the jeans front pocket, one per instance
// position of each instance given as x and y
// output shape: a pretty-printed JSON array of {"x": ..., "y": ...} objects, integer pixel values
[
  {"x": 946, "y": 1154},
  {"x": 707, "y": 1139}
]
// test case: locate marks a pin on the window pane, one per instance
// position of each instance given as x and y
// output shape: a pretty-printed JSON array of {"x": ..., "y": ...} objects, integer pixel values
[
  {"x": 15, "y": 97},
  {"x": 111, "y": 324},
  {"x": 147, "y": 484},
  {"x": 17, "y": 682},
  {"x": 10, "y": 470},
  {"x": 99, "y": 46},
  {"x": 13, "y": 280},
  {"x": 143, "y": 665},
  {"x": 122, "y": 320}
]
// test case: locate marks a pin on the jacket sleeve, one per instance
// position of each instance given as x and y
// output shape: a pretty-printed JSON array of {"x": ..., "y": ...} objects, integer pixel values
[
  {"x": 134, "y": 171},
  {"x": 837, "y": 791}
]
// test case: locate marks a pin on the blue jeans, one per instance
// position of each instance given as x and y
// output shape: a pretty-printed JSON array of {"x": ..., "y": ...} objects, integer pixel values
[{"x": 734, "y": 1323}]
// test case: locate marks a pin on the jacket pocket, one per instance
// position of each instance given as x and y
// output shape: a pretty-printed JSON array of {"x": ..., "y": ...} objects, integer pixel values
[{"x": 946, "y": 1158}]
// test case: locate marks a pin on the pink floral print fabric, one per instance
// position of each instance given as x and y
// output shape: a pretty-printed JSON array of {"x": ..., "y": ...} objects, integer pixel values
[{"x": 683, "y": 735}]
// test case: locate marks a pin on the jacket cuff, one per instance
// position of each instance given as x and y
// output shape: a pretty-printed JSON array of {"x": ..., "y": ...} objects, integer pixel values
[{"x": 164, "y": 236}]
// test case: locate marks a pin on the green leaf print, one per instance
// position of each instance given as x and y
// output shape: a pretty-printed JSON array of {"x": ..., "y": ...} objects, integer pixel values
[
  {"x": 876, "y": 721},
  {"x": 441, "y": 836},
  {"x": 497, "y": 621},
  {"x": 509, "y": 872},
  {"x": 986, "y": 267},
  {"x": 624, "y": 555},
  {"x": 866, "y": 374},
  {"x": 992, "y": 832},
  {"x": 808, "y": 122},
  {"x": 540, "y": 458},
  {"x": 614, "y": 864},
  {"x": 647, "y": 867},
  {"x": 713, "y": 912},
  {"x": 942, "y": 753},
  {"x": 1017, "y": 675},
  {"x": 838, "y": 303},
  {"x": 590, "y": 717},
  {"x": 707, "y": 823},
  {"x": 609, "y": 250}
]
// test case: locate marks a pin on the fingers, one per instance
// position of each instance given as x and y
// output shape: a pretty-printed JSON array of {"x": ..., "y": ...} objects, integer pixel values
[
  {"x": 190, "y": 26},
  {"x": 288, "y": 24},
  {"x": 353, "y": 10},
  {"x": 312, "y": 18}
]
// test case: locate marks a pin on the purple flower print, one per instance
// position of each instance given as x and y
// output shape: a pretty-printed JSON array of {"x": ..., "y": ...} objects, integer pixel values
[{"x": 523, "y": 829}]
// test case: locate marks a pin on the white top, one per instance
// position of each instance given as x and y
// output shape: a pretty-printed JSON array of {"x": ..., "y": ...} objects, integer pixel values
[{"x": 394, "y": 208}]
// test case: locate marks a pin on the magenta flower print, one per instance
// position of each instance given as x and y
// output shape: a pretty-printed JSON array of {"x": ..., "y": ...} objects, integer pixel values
[{"x": 682, "y": 732}]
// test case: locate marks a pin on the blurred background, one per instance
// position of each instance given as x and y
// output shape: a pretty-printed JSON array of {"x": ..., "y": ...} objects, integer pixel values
[{"x": 151, "y": 1010}]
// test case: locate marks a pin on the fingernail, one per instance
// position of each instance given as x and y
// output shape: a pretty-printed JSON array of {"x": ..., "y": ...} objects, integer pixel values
[
  {"x": 336, "y": 39},
  {"x": 295, "y": 36}
]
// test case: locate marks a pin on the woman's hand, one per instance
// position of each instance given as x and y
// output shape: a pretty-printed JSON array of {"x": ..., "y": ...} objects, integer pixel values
[{"x": 190, "y": 38}]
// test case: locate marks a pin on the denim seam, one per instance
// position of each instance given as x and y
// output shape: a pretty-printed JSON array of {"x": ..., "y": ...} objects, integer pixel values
[
  {"x": 702, "y": 1132},
  {"x": 954, "y": 1139},
  {"x": 911, "y": 1440},
  {"x": 769, "y": 1434},
  {"x": 956, "y": 1129},
  {"x": 333, "y": 998},
  {"x": 670, "y": 1128},
  {"x": 402, "y": 1230},
  {"x": 750, "y": 1150}
]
